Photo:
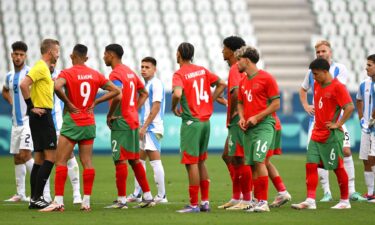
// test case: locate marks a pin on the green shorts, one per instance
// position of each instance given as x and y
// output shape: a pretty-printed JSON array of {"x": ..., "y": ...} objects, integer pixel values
[
  {"x": 235, "y": 138},
  {"x": 257, "y": 142},
  {"x": 125, "y": 144},
  {"x": 275, "y": 148},
  {"x": 327, "y": 153},
  {"x": 194, "y": 141},
  {"x": 76, "y": 133}
]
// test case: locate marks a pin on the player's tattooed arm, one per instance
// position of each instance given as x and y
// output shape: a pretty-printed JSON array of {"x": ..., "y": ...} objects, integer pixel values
[{"x": 142, "y": 96}]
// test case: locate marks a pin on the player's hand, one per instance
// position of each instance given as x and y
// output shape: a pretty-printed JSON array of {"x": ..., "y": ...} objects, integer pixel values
[
  {"x": 221, "y": 100},
  {"x": 72, "y": 108},
  {"x": 142, "y": 133},
  {"x": 309, "y": 109},
  {"x": 38, "y": 111},
  {"x": 252, "y": 121},
  {"x": 91, "y": 108},
  {"x": 242, "y": 124},
  {"x": 177, "y": 112},
  {"x": 110, "y": 119},
  {"x": 332, "y": 126}
]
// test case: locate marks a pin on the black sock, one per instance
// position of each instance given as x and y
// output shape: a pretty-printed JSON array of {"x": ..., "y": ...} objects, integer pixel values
[
  {"x": 33, "y": 176},
  {"x": 43, "y": 174}
]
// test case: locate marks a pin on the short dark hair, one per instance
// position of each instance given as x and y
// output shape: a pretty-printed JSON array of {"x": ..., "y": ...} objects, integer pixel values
[
  {"x": 19, "y": 45},
  {"x": 248, "y": 52},
  {"x": 186, "y": 51},
  {"x": 149, "y": 59},
  {"x": 47, "y": 44},
  {"x": 319, "y": 64},
  {"x": 115, "y": 48},
  {"x": 371, "y": 57},
  {"x": 234, "y": 42},
  {"x": 80, "y": 50}
]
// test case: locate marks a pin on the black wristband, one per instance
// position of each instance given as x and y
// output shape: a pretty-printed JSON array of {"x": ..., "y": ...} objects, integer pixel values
[{"x": 29, "y": 103}]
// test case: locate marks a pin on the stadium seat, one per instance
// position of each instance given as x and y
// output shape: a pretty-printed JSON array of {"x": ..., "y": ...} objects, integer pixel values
[
  {"x": 203, "y": 6},
  {"x": 132, "y": 6},
  {"x": 338, "y": 6},
  {"x": 185, "y": 6},
  {"x": 168, "y": 6},
  {"x": 8, "y": 6}
]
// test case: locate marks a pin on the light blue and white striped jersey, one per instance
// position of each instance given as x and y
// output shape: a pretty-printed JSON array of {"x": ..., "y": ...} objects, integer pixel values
[
  {"x": 156, "y": 93},
  {"x": 12, "y": 83},
  {"x": 366, "y": 94},
  {"x": 58, "y": 107}
]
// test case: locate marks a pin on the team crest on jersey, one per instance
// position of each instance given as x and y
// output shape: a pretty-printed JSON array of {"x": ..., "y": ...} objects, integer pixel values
[
  {"x": 256, "y": 86},
  {"x": 130, "y": 75},
  {"x": 328, "y": 95}
]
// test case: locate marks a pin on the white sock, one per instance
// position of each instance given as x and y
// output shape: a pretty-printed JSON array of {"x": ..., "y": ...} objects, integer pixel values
[
  {"x": 59, "y": 199},
  {"x": 20, "y": 174},
  {"x": 29, "y": 165},
  {"x": 157, "y": 166},
  {"x": 369, "y": 180},
  {"x": 86, "y": 200},
  {"x": 47, "y": 191},
  {"x": 137, "y": 187},
  {"x": 73, "y": 173},
  {"x": 121, "y": 199},
  {"x": 147, "y": 195},
  {"x": 324, "y": 180},
  {"x": 349, "y": 167}
]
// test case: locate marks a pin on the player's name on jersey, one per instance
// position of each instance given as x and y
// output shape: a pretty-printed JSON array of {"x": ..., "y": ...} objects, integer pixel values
[
  {"x": 85, "y": 77},
  {"x": 195, "y": 74},
  {"x": 130, "y": 75}
]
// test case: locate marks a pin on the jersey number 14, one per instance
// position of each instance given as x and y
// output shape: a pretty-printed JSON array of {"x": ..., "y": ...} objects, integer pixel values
[{"x": 200, "y": 93}]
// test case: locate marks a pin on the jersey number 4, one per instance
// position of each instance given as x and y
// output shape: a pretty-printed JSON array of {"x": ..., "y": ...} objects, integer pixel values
[{"x": 200, "y": 93}]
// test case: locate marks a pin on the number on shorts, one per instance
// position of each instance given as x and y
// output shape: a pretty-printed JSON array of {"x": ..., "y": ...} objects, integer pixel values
[
  {"x": 200, "y": 93},
  {"x": 114, "y": 143},
  {"x": 27, "y": 139},
  {"x": 85, "y": 92},
  {"x": 263, "y": 148},
  {"x": 332, "y": 155}
]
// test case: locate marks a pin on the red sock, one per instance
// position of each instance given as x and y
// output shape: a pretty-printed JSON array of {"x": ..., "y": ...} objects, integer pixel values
[
  {"x": 231, "y": 170},
  {"x": 311, "y": 179},
  {"x": 263, "y": 188},
  {"x": 193, "y": 192},
  {"x": 140, "y": 175},
  {"x": 205, "y": 188},
  {"x": 342, "y": 179},
  {"x": 88, "y": 180},
  {"x": 60, "y": 178},
  {"x": 256, "y": 188},
  {"x": 236, "y": 183},
  {"x": 121, "y": 176},
  {"x": 279, "y": 184},
  {"x": 246, "y": 182}
]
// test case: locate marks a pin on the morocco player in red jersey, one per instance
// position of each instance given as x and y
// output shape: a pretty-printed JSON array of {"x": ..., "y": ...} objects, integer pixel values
[
  {"x": 325, "y": 147},
  {"x": 258, "y": 99},
  {"x": 123, "y": 121},
  {"x": 192, "y": 90},
  {"x": 81, "y": 84}
]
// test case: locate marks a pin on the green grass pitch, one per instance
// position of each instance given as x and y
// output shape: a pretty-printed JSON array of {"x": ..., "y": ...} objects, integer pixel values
[{"x": 291, "y": 167}]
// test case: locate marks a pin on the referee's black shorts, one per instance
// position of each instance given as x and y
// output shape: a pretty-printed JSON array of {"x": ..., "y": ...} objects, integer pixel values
[{"x": 43, "y": 131}]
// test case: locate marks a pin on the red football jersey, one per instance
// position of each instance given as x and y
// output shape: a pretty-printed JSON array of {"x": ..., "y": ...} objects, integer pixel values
[
  {"x": 328, "y": 102},
  {"x": 256, "y": 92},
  {"x": 130, "y": 86},
  {"x": 277, "y": 120},
  {"x": 234, "y": 79},
  {"x": 196, "y": 101},
  {"x": 82, "y": 85}
]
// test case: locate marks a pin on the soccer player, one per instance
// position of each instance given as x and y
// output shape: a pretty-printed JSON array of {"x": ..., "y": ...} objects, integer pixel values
[
  {"x": 233, "y": 151},
  {"x": 152, "y": 129},
  {"x": 21, "y": 143},
  {"x": 366, "y": 114},
  {"x": 73, "y": 168},
  {"x": 191, "y": 89},
  {"x": 339, "y": 71},
  {"x": 258, "y": 99},
  {"x": 123, "y": 121},
  {"x": 325, "y": 146},
  {"x": 81, "y": 84},
  {"x": 39, "y": 101}
]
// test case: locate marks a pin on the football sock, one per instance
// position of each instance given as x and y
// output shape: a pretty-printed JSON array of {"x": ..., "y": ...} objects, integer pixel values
[
  {"x": 121, "y": 176},
  {"x": 60, "y": 179},
  {"x": 140, "y": 174},
  {"x": 279, "y": 184},
  {"x": 33, "y": 176},
  {"x": 43, "y": 175},
  {"x": 231, "y": 170},
  {"x": 236, "y": 183},
  {"x": 193, "y": 193},
  {"x": 29, "y": 165},
  {"x": 157, "y": 166},
  {"x": 88, "y": 181},
  {"x": 245, "y": 178},
  {"x": 20, "y": 174},
  {"x": 47, "y": 190},
  {"x": 205, "y": 189},
  {"x": 137, "y": 188},
  {"x": 121, "y": 199},
  {"x": 256, "y": 188},
  {"x": 349, "y": 168},
  {"x": 369, "y": 180},
  {"x": 311, "y": 179},
  {"x": 73, "y": 173},
  {"x": 324, "y": 180},
  {"x": 263, "y": 188},
  {"x": 342, "y": 179}
]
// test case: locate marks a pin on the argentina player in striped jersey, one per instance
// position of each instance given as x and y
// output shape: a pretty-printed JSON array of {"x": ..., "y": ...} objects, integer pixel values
[
  {"x": 339, "y": 71},
  {"x": 21, "y": 143}
]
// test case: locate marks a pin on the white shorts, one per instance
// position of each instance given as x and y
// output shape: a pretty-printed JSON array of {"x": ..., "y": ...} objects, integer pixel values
[
  {"x": 21, "y": 139},
  {"x": 367, "y": 147},
  {"x": 151, "y": 142},
  {"x": 346, "y": 134}
]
